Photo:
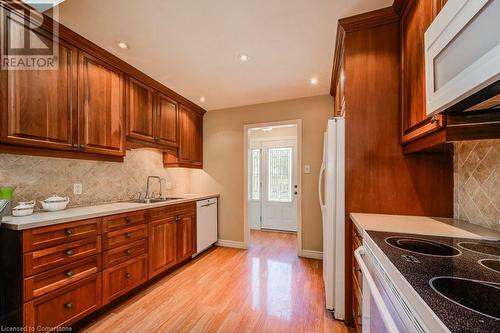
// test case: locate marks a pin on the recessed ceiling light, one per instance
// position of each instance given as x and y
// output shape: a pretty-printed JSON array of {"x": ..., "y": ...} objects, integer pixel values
[
  {"x": 122, "y": 45},
  {"x": 314, "y": 81},
  {"x": 202, "y": 99},
  {"x": 243, "y": 57},
  {"x": 267, "y": 129}
]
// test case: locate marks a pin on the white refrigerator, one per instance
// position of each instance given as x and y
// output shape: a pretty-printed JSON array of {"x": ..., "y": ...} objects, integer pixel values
[{"x": 331, "y": 189}]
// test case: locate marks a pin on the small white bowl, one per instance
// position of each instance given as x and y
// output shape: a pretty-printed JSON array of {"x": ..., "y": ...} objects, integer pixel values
[
  {"x": 24, "y": 208},
  {"x": 54, "y": 205}
]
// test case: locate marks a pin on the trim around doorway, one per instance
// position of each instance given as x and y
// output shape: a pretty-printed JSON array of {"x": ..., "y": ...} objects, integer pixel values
[{"x": 298, "y": 123}]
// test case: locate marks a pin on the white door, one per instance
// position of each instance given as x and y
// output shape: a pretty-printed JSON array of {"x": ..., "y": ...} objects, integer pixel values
[{"x": 279, "y": 185}]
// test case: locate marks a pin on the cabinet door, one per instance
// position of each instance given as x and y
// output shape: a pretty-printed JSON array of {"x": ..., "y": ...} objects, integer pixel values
[
  {"x": 416, "y": 19},
  {"x": 141, "y": 115},
  {"x": 101, "y": 107},
  {"x": 190, "y": 139},
  {"x": 167, "y": 114},
  {"x": 162, "y": 245},
  {"x": 186, "y": 236},
  {"x": 38, "y": 107}
]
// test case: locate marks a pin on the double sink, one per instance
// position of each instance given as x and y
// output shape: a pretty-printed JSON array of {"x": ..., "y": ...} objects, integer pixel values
[{"x": 155, "y": 200}]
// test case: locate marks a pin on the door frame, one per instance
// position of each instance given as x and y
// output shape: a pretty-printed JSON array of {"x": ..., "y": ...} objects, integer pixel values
[{"x": 246, "y": 128}]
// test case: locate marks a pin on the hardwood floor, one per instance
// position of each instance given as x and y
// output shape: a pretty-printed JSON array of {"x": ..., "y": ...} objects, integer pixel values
[{"x": 264, "y": 289}]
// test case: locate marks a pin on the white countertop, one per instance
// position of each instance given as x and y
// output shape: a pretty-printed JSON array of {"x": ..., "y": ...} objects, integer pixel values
[
  {"x": 42, "y": 219},
  {"x": 421, "y": 225}
]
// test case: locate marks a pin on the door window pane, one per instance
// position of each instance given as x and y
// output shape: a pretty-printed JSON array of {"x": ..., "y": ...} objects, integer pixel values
[
  {"x": 280, "y": 174},
  {"x": 255, "y": 186}
]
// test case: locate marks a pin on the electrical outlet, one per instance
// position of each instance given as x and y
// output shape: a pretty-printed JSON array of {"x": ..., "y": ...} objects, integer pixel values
[
  {"x": 307, "y": 169},
  {"x": 168, "y": 185},
  {"x": 77, "y": 188}
]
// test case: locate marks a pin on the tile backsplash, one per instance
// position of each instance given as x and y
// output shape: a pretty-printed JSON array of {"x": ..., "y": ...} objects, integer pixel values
[
  {"x": 477, "y": 182},
  {"x": 102, "y": 182}
]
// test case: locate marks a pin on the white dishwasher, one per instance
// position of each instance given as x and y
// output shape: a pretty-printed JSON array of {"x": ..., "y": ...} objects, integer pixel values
[{"x": 206, "y": 224}]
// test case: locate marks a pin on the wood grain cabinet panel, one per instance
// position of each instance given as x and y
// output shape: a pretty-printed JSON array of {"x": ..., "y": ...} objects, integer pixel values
[
  {"x": 190, "y": 152},
  {"x": 39, "y": 107},
  {"x": 39, "y": 238},
  {"x": 416, "y": 18},
  {"x": 124, "y": 253},
  {"x": 124, "y": 277},
  {"x": 141, "y": 113},
  {"x": 186, "y": 236},
  {"x": 162, "y": 244},
  {"x": 167, "y": 113},
  {"x": 43, "y": 283},
  {"x": 124, "y": 236},
  {"x": 102, "y": 107},
  {"x": 65, "y": 306},
  {"x": 120, "y": 221},
  {"x": 56, "y": 256}
]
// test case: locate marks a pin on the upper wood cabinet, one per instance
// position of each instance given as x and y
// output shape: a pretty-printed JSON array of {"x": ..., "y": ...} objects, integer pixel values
[
  {"x": 190, "y": 152},
  {"x": 168, "y": 121},
  {"x": 101, "y": 107},
  {"x": 141, "y": 115},
  {"x": 39, "y": 107},
  {"x": 416, "y": 18},
  {"x": 151, "y": 116}
]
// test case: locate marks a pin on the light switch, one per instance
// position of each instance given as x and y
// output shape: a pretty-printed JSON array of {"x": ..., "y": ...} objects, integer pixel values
[
  {"x": 168, "y": 185},
  {"x": 307, "y": 169},
  {"x": 77, "y": 189}
]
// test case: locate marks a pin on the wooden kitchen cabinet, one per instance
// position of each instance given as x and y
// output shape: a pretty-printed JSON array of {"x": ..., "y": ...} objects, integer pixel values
[
  {"x": 186, "y": 235},
  {"x": 162, "y": 244},
  {"x": 172, "y": 236},
  {"x": 152, "y": 117},
  {"x": 416, "y": 18},
  {"x": 102, "y": 106},
  {"x": 190, "y": 152},
  {"x": 39, "y": 107}
]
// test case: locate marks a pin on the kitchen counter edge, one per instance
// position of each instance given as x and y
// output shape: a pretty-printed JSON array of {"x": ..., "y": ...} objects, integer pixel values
[{"x": 43, "y": 219}]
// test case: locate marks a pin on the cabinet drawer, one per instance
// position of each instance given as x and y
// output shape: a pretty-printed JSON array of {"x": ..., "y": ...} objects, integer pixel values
[
  {"x": 43, "y": 283},
  {"x": 162, "y": 212},
  {"x": 120, "y": 221},
  {"x": 125, "y": 236},
  {"x": 39, "y": 238},
  {"x": 52, "y": 257},
  {"x": 124, "y": 277},
  {"x": 65, "y": 306},
  {"x": 125, "y": 252}
]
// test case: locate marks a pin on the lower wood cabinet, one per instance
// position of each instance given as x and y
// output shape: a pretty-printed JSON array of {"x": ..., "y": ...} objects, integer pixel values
[
  {"x": 64, "y": 272},
  {"x": 124, "y": 277},
  {"x": 162, "y": 245},
  {"x": 357, "y": 282},
  {"x": 172, "y": 236},
  {"x": 64, "y": 306}
]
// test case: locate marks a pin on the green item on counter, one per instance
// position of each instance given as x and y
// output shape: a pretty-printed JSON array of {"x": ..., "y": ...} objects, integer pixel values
[{"x": 6, "y": 192}]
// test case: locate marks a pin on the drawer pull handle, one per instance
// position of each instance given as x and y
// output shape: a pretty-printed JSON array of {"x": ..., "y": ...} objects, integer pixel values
[
  {"x": 128, "y": 275},
  {"x": 69, "y": 253},
  {"x": 69, "y": 273},
  {"x": 69, "y": 232},
  {"x": 68, "y": 305},
  {"x": 177, "y": 218},
  {"x": 128, "y": 219},
  {"x": 129, "y": 235},
  {"x": 128, "y": 252}
]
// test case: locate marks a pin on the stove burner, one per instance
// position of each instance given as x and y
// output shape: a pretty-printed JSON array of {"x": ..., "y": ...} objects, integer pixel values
[
  {"x": 482, "y": 297},
  {"x": 422, "y": 246},
  {"x": 493, "y": 264},
  {"x": 482, "y": 248}
]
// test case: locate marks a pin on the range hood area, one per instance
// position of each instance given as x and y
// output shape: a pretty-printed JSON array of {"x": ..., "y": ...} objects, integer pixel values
[{"x": 462, "y": 70}]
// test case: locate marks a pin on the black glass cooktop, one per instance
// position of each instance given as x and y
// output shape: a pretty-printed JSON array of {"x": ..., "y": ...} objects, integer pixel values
[{"x": 459, "y": 279}]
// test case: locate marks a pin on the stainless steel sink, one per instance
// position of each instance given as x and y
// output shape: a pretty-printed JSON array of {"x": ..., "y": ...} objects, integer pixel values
[{"x": 154, "y": 200}]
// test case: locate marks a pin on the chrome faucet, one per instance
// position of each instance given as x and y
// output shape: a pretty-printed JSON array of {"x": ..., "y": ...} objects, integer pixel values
[{"x": 148, "y": 197}]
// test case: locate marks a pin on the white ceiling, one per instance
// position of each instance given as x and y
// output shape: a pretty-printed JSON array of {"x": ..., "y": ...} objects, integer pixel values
[{"x": 192, "y": 46}]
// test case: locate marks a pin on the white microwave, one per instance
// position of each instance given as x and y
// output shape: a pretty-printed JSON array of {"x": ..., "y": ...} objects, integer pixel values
[{"x": 462, "y": 57}]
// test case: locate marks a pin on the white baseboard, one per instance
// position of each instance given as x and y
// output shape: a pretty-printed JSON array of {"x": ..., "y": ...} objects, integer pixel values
[
  {"x": 312, "y": 254},
  {"x": 230, "y": 243}
]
